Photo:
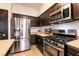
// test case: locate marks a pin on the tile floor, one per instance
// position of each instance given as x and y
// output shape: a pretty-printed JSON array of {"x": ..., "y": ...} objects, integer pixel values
[{"x": 33, "y": 52}]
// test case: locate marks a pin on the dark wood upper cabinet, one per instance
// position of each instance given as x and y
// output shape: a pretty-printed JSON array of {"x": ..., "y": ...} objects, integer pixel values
[
  {"x": 75, "y": 10},
  {"x": 45, "y": 17},
  {"x": 34, "y": 21},
  {"x": 53, "y": 8},
  {"x": 58, "y": 5}
]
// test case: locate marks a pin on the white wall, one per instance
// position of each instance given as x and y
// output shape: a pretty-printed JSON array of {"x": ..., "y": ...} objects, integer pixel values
[
  {"x": 5, "y": 6},
  {"x": 20, "y": 9},
  {"x": 34, "y": 29},
  {"x": 42, "y": 29}
]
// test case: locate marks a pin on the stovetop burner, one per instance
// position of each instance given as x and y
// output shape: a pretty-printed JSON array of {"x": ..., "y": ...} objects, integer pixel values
[{"x": 60, "y": 39}]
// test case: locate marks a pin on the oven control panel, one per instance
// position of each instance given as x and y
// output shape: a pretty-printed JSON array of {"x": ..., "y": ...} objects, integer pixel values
[{"x": 54, "y": 43}]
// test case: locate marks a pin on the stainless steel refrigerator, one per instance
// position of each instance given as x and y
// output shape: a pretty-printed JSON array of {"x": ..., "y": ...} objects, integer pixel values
[{"x": 22, "y": 33}]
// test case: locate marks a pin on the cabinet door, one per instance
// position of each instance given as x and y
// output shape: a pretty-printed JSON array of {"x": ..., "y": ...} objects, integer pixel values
[
  {"x": 39, "y": 42},
  {"x": 58, "y": 5},
  {"x": 47, "y": 17},
  {"x": 44, "y": 18},
  {"x": 34, "y": 21},
  {"x": 33, "y": 39},
  {"x": 38, "y": 21},
  {"x": 75, "y": 7},
  {"x": 53, "y": 8},
  {"x": 41, "y": 20}
]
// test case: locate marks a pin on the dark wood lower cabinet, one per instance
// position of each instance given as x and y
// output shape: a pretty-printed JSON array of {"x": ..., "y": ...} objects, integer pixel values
[
  {"x": 72, "y": 51},
  {"x": 39, "y": 42},
  {"x": 33, "y": 39}
]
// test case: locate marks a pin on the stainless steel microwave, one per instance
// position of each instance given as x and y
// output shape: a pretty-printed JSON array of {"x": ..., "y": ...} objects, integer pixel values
[
  {"x": 62, "y": 14},
  {"x": 56, "y": 16}
]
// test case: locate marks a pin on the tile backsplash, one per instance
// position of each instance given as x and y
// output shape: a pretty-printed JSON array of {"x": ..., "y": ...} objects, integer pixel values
[
  {"x": 42, "y": 29},
  {"x": 66, "y": 26},
  {"x": 34, "y": 29}
]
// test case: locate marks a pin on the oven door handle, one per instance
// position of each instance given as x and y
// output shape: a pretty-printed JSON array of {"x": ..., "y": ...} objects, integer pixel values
[{"x": 53, "y": 46}]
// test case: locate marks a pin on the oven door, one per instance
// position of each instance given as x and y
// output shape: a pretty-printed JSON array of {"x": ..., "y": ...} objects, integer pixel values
[{"x": 51, "y": 50}]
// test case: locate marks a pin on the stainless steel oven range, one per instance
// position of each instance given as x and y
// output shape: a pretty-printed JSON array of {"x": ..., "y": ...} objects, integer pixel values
[{"x": 54, "y": 45}]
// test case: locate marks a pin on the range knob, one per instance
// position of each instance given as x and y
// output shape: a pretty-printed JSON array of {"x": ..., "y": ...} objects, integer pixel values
[
  {"x": 48, "y": 40},
  {"x": 56, "y": 44},
  {"x": 53, "y": 42}
]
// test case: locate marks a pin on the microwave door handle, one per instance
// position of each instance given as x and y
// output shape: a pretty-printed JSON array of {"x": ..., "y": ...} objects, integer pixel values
[{"x": 62, "y": 14}]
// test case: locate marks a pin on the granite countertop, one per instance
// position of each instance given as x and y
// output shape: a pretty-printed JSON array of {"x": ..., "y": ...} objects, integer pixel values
[
  {"x": 42, "y": 34},
  {"x": 74, "y": 43},
  {"x": 5, "y": 46}
]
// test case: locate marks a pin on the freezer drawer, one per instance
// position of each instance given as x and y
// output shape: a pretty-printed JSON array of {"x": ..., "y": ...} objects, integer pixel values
[{"x": 24, "y": 45}]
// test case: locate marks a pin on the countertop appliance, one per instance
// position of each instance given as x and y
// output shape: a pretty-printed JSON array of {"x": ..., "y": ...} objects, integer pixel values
[
  {"x": 54, "y": 45},
  {"x": 22, "y": 34}
]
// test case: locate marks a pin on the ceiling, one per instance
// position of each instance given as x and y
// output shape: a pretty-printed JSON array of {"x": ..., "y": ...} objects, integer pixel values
[
  {"x": 38, "y": 8},
  {"x": 32, "y": 5}
]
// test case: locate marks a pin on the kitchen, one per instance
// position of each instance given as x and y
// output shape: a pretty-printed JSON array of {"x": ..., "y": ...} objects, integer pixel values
[{"x": 39, "y": 29}]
